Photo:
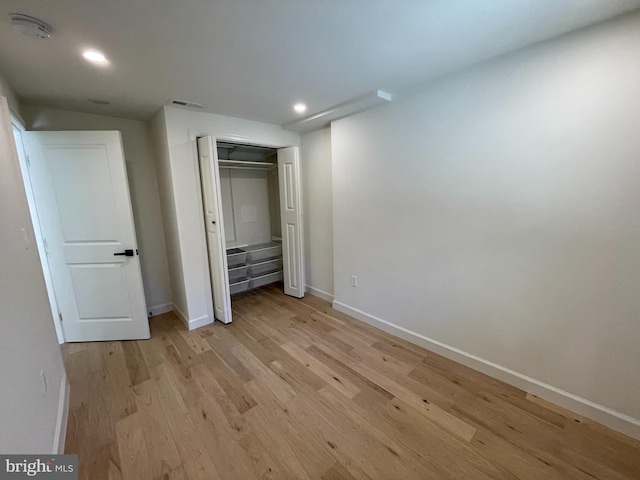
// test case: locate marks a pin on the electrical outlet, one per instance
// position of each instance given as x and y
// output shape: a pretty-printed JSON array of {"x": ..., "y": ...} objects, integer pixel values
[{"x": 354, "y": 281}]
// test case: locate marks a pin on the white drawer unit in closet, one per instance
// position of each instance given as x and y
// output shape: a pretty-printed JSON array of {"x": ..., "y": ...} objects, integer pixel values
[
  {"x": 237, "y": 272},
  {"x": 236, "y": 257},
  {"x": 263, "y": 251},
  {"x": 265, "y": 279},
  {"x": 267, "y": 265},
  {"x": 239, "y": 285}
]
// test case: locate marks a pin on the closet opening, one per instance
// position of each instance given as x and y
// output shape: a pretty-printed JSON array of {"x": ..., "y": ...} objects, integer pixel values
[
  {"x": 253, "y": 218},
  {"x": 251, "y": 210}
]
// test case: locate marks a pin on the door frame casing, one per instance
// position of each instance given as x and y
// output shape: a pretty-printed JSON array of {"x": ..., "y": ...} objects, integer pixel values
[
  {"x": 37, "y": 230},
  {"x": 242, "y": 139}
]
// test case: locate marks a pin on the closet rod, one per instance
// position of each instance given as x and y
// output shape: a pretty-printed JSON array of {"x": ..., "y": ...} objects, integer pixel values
[{"x": 244, "y": 163}]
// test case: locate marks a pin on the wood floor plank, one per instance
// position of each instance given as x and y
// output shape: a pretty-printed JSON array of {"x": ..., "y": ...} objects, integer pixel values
[
  {"x": 282, "y": 391},
  {"x": 281, "y": 449},
  {"x": 310, "y": 449},
  {"x": 138, "y": 371},
  {"x": 230, "y": 360},
  {"x": 78, "y": 367},
  {"x": 340, "y": 383},
  {"x": 217, "y": 407},
  {"x": 294, "y": 389},
  {"x": 337, "y": 472},
  {"x": 263, "y": 464},
  {"x": 132, "y": 448},
  {"x": 122, "y": 403},
  {"x": 424, "y": 405},
  {"x": 348, "y": 444},
  {"x": 423, "y": 459},
  {"x": 196, "y": 462},
  {"x": 197, "y": 343},
  {"x": 231, "y": 384},
  {"x": 95, "y": 357},
  {"x": 176, "y": 412},
  {"x": 104, "y": 464},
  {"x": 177, "y": 474},
  {"x": 163, "y": 455}
]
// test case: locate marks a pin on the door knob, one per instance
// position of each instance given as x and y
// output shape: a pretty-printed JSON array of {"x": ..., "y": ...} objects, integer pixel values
[{"x": 126, "y": 253}]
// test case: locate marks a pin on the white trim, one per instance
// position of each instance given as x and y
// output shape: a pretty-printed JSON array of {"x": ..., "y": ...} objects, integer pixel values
[
  {"x": 319, "y": 293},
  {"x": 160, "y": 309},
  {"x": 37, "y": 232},
  {"x": 192, "y": 324},
  {"x": 181, "y": 315},
  {"x": 16, "y": 122},
  {"x": 63, "y": 417},
  {"x": 199, "y": 322},
  {"x": 604, "y": 415}
]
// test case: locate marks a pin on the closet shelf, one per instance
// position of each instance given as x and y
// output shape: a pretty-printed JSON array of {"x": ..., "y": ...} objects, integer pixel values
[{"x": 246, "y": 164}]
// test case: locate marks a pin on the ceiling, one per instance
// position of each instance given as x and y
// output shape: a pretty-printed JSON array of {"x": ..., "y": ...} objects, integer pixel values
[{"x": 254, "y": 59}]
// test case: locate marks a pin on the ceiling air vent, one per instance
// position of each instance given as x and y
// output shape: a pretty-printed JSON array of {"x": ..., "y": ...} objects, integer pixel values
[{"x": 184, "y": 103}]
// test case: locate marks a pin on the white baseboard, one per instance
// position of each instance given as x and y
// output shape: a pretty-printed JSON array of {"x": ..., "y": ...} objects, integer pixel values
[
  {"x": 181, "y": 315},
  {"x": 159, "y": 309},
  {"x": 604, "y": 415},
  {"x": 199, "y": 322},
  {"x": 63, "y": 416},
  {"x": 319, "y": 293},
  {"x": 192, "y": 324}
]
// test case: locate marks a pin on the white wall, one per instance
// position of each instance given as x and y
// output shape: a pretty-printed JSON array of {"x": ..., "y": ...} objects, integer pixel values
[
  {"x": 28, "y": 344},
  {"x": 158, "y": 128},
  {"x": 244, "y": 193},
  {"x": 181, "y": 189},
  {"x": 315, "y": 161},
  {"x": 143, "y": 185},
  {"x": 494, "y": 213}
]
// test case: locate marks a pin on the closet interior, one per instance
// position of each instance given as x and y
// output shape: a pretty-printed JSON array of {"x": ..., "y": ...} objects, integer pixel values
[{"x": 251, "y": 211}]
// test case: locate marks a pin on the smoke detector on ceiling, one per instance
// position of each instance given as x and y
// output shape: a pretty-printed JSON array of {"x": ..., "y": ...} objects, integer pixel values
[{"x": 30, "y": 26}]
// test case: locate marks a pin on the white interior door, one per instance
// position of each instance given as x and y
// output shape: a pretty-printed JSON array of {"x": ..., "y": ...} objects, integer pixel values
[
  {"x": 291, "y": 220},
  {"x": 214, "y": 226},
  {"x": 81, "y": 193}
]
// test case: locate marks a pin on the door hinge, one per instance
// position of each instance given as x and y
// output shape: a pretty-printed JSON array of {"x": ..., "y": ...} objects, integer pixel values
[
  {"x": 28, "y": 161},
  {"x": 60, "y": 315},
  {"x": 46, "y": 246}
]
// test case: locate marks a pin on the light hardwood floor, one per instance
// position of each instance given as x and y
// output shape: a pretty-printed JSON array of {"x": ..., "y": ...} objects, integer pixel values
[{"x": 294, "y": 389}]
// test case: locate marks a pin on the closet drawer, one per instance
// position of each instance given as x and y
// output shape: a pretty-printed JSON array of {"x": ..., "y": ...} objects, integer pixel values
[
  {"x": 266, "y": 279},
  {"x": 239, "y": 285},
  {"x": 264, "y": 251},
  {"x": 236, "y": 257},
  {"x": 262, "y": 267},
  {"x": 236, "y": 273}
]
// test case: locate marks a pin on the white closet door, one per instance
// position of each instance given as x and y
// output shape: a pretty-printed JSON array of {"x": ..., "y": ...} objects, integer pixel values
[
  {"x": 214, "y": 226},
  {"x": 291, "y": 219}
]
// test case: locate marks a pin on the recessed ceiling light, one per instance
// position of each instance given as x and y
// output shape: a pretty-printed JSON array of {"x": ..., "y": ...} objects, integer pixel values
[
  {"x": 95, "y": 56},
  {"x": 300, "y": 107}
]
